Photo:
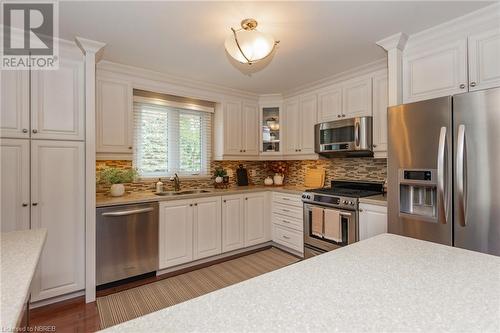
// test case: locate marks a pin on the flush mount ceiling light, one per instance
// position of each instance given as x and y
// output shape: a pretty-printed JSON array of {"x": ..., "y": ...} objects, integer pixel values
[{"x": 248, "y": 45}]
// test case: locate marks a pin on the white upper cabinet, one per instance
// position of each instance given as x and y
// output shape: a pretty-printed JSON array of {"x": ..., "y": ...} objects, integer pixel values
[
  {"x": 233, "y": 225},
  {"x": 380, "y": 103},
  {"x": 15, "y": 189},
  {"x": 435, "y": 71},
  {"x": 14, "y": 104},
  {"x": 484, "y": 60},
  {"x": 250, "y": 129},
  {"x": 330, "y": 104},
  {"x": 114, "y": 116},
  {"x": 308, "y": 114},
  {"x": 357, "y": 98},
  {"x": 207, "y": 227},
  {"x": 57, "y": 102},
  {"x": 58, "y": 204},
  {"x": 232, "y": 128},
  {"x": 291, "y": 127}
]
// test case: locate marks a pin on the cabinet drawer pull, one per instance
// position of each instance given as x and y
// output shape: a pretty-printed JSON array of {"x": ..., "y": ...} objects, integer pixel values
[
  {"x": 285, "y": 210},
  {"x": 286, "y": 237},
  {"x": 286, "y": 221},
  {"x": 286, "y": 199}
]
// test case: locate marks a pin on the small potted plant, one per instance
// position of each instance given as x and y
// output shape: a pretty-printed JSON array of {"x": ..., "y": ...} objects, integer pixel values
[
  {"x": 117, "y": 177},
  {"x": 219, "y": 175}
]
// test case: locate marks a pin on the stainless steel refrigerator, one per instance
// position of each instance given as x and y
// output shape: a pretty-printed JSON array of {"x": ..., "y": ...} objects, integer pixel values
[{"x": 444, "y": 170}]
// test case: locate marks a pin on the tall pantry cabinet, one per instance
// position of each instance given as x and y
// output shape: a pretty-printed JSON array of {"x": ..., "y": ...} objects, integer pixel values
[{"x": 42, "y": 156}]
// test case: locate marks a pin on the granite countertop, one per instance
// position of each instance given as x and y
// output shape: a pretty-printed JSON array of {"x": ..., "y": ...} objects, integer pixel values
[
  {"x": 20, "y": 253},
  {"x": 149, "y": 196},
  {"x": 379, "y": 200},
  {"x": 386, "y": 283}
]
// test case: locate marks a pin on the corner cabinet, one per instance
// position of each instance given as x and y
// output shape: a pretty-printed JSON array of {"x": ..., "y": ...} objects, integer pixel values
[{"x": 114, "y": 116}]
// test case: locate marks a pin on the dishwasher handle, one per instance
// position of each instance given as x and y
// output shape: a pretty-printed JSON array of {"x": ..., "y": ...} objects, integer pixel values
[{"x": 129, "y": 212}]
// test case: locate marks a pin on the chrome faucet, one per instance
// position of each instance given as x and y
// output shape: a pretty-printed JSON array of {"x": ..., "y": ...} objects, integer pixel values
[{"x": 177, "y": 182}]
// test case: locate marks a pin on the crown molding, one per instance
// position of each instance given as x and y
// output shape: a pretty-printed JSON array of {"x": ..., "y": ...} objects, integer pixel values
[
  {"x": 396, "y": 41},
  {"x": 336, "y": 78},
  {"x": 90, "y": 46},
  {"x": 114, "y": 67}
]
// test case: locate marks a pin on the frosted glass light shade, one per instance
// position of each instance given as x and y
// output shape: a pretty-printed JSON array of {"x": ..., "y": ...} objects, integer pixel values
[{"x": 254, "y": 44}]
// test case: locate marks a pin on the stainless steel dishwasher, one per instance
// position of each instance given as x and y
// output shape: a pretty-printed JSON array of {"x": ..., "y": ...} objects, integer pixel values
[{"x": 127, "y": 241}]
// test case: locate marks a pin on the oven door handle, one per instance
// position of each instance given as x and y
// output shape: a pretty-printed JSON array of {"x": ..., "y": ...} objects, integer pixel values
[{"x": 345, "y": 214}]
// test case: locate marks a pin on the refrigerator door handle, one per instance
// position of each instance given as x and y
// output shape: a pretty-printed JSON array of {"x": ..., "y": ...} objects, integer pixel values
[
  {"x": 461, "y": 176},
  {"x": 442, "y": 177}
]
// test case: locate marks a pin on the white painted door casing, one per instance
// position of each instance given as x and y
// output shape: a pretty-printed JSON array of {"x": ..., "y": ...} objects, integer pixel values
[
  {"x": 57, "y": 102},
  {"x": 114, "y": 116},
  {"x": 15, "y": 189},
  {"x": 14, "y": 104},
  {"x": 484, "y": 60},
  {"x": 176, "y": 233},
  {"x": 233, "y": 223},
  {"x": 435, "y": 71},
  {"x": 207, "y": 227},
  {"x": 380, "y": 104},
  {"x": 58, "y": 204},
  {"x": 257, "y": 225},
  {"x": 372, "y": 220}
]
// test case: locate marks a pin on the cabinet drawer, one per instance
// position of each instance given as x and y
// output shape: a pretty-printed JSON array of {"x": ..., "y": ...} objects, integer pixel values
[
  {"x": 289, "y": 222},
  {"x": 288, "y": 237},
  {"x": 287, "y": 199},
  {"x": 291, "y": 211}
]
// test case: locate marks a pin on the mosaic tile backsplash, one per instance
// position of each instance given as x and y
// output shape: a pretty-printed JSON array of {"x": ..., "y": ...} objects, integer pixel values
[{"x": 337, "y": 168}]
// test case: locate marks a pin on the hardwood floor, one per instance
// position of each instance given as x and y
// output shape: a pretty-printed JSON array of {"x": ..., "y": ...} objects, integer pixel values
[{"x": 75, "y": 315}]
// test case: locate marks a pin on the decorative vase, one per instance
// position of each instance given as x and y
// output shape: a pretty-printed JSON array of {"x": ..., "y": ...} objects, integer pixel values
[
  {"x": 268, "y": 181},
  {"x": 117, "y": 190},
  {"x": 278, "y": 179},
  {"x": 218, "y": 179}
]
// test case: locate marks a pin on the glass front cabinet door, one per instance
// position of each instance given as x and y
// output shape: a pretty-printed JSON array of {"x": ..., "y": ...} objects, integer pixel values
[{"x": 271, "y": 130}]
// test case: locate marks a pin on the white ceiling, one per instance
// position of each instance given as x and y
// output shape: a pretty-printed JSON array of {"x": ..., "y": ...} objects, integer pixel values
[{"x": 318, "y": 39}]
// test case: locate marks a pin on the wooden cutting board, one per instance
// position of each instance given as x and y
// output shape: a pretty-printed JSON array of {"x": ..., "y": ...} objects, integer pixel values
[{"x": 315, "y": 178}]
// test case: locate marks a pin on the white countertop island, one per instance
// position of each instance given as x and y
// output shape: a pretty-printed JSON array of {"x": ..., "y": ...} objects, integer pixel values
[
  {"x": 386, "y": 283},
  {"x": 20, "y": 253}
]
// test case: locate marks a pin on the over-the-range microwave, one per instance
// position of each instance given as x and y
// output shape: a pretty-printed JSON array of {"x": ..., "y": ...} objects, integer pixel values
[{"x": 346, "y": 137}]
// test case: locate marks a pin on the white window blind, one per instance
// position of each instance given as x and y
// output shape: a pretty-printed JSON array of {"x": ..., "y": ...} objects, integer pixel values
[{"x": 169, "y": 140}]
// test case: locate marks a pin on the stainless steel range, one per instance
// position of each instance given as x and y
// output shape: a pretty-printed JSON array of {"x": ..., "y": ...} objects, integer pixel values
[{"x": 342, "y": 200}]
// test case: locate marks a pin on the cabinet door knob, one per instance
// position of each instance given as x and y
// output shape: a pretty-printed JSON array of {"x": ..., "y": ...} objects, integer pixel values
[
  {"x": 360, "y": 210},
  {"x": 338, "y": 116},
  {"x": 343, "y": 115},
  {"x": 246, "y": 198},
  {"x": 25, "y": 130},
  {"x": 35, "y": 203},
  {"x": 196, "y": 204},
  {"x": 462, "y": 86},
  {"x": 224, "y": 200},
  {"x": 25, "y": 204},
  {"x": 35, "y": 131},
  {"x": 130, "y": 147},
  {"x": 374, "y": 146},
  {"x": 473, "y": 84}
]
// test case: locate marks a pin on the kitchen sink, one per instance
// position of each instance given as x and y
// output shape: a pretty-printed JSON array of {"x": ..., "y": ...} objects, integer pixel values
[{"x": 183, "y": 192}]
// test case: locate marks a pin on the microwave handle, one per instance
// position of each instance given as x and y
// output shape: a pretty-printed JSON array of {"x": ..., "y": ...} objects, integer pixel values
[{"x": 356, "y": 133}]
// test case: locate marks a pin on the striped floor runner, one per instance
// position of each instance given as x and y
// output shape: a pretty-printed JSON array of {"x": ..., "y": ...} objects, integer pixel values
[{"x": 136, "y": 302}]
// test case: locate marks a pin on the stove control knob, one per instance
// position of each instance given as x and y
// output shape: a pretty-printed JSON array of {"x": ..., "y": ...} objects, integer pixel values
[
  {"x": 351, "y": 203},
  {"x": 303, "y": 196},
  {"x": 345, "y": 202},
  {"x": 308, "y": 196}
]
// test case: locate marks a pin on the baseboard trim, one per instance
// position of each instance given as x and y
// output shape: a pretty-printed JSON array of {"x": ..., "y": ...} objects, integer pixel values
[{"x": 56, "y": 299}]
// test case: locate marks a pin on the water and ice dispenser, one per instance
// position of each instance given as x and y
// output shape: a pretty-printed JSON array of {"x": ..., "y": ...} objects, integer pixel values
[{"x": 418, "y": 194}]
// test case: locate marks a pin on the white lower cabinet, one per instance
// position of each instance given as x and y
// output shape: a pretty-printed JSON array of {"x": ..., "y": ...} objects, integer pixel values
[
  {"x": 233, "y": 223},
  {"x": 176, "y": 233},
  {"x": 207, "y": 227},
  {"x": 372, "y": 220},
  {"x": 287, "y": 221},
  {"x": 58, "y": 204},
  {"x": 15, "y": 189},
  {"x": 256, "y": 219}
]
